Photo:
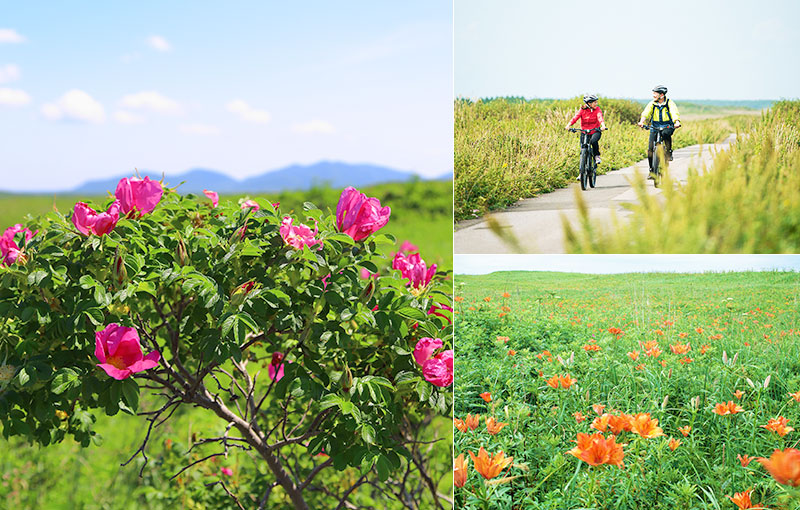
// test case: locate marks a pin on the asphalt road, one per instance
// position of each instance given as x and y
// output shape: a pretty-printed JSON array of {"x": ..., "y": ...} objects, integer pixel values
[{"x": 536, "y": 222}]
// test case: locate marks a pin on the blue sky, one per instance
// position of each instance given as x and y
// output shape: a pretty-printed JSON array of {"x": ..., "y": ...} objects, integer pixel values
[
  {"x": 607, "y": 264},
  {"x": 710, "y": 49},
  {"x": 96, "y": 89}
]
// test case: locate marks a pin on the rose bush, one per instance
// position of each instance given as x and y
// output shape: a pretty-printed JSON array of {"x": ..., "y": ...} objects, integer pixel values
[{"x": 259, "y": 320}]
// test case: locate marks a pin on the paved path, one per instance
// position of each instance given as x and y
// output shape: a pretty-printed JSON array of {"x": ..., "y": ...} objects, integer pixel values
[{"x": 536, "y": 222}]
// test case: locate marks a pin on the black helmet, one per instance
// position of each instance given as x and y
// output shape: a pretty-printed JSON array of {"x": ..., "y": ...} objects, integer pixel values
[
  {"x": 661, "y": 89},
  {"x": 588, "y": 98}
]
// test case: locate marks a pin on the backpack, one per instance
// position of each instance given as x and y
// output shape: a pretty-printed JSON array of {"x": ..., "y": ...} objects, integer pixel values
[{"x": 661, "y": 112}]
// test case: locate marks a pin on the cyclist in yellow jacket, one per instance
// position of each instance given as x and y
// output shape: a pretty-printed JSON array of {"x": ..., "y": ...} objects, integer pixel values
[{"x": 661, "y": 113}]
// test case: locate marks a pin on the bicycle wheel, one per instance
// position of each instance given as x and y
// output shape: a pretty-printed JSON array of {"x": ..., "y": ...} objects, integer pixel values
[
  {"x": 592, "y": 172},
  {"x": 584, "y": 167}
]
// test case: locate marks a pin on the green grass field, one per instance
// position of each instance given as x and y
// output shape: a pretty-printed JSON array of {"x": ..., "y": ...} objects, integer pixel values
[
  {"x": 672, "y": 345},
  {"x": 506, "y": 150},
  {"x": 66, "y": 476}
]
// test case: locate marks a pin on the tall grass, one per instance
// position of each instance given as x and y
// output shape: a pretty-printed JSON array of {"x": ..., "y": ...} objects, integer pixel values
[
  {"x": 508, "y": 149},
  {"x": 747, "y": 202}
]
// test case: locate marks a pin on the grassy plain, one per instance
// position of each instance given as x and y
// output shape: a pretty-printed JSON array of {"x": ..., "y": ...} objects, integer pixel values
[
  {"x": 682, "y": 344},
  {"x": 66, "y": 476},
  {"x": 506, "y": 150}
]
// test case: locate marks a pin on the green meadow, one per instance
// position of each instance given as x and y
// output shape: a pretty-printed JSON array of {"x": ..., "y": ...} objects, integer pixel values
[{"x": 557, "y": 355}]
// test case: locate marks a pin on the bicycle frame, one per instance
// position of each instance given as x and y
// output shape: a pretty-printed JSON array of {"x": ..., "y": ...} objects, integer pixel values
[
  {"x": 588, "y": 173},
  {"x": 655, "y": 163}
]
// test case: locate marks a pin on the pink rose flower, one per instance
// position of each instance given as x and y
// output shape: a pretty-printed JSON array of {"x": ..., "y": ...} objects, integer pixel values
[
  {"x": 434, "y": 310},
  {"x": 120, "y": 353},
  {"x": 407, "y": 247},
  {"x": 414, "y": 269},
  {"x": 88, "y": 221},
  {"x": 252, "y": 204},
  {"x": 298, "y": 236},
  {"x": 213, "y": 195},
  {"x": 9, "y": 249},
  {"x": 439, "y": 370},
  {"x": 275, "y": 367},
  {"x": 358, "y": 215},
  {"x": 138, "y": 196},
  {"x": 227, "y": 471},
  {"x": 424, "y": 349}
]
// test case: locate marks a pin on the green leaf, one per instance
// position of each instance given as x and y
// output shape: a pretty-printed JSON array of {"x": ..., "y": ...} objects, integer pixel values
[
  {"x": 65, "y": 379},
  {"x": 412, "y": 313},
  {"x": 228, "y": 324},
  {"x": 23, "y": 377},
  {"x": 130, "y": 393},
  {"x": 329, "y": 400},
  {"x": 147, "y": 287},
  {"x": 248, "y": 321},
  {"x": 95, "y": 315},
  {"x": 368, "y": 433},
  {"x": 384, "y": 466},
  {"x": 36, "y": 277}
]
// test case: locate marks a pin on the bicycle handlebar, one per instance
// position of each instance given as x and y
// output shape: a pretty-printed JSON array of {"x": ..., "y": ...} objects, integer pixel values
[{"x": 587, "y": 131}]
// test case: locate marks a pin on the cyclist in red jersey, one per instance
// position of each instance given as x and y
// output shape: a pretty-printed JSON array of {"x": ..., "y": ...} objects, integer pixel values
[{"x": 591, "y": 117}]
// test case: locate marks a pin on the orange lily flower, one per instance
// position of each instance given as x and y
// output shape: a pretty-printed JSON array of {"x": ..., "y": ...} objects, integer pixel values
[
  {"x": 685, "y": 430},
  {"x": 778, "y": 425},
  {"x": 620, "y": 423},
  {"x": 598, "y": 408},
  {"x": 784, "y": 466},
  {"x": 742, "y": 499},
  {"x": 645, "y": 426},
  {"x": 489, "y": 466},
  {"x": 634, "y": 355},
  {"x": 567, "y": 381},
  {"x": 595, "y": 450},
  {"x": 486, "y": 396},
  {"x": 680, "y": 348},
  {"x": 744, "y": 460},
  {"x": 472, "y": 421},
  {"x": 674, "y": 443},
  {"x": 493, "y": 426},
  {"x": 460, "y": 471},
  {"x": 601, "y": 422},
  {"x": 738, "y": 394},
  {"x": 579, "y": 417},
  {"x": 554, "y": 381},
  {"x": 511, "y": 352},
  {"x": 729, "y": 408},
  {"x": 795, "y": 396},
  {"x": 506, "y": 295},
  {"x": 460, "y": 425}
]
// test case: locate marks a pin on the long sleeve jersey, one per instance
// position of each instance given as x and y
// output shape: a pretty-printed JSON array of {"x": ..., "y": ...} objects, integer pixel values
[{"x": 590, "y": 117}]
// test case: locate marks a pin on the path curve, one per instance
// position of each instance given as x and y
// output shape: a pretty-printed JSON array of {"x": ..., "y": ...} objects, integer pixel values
[{"x": 536, "y": 222}]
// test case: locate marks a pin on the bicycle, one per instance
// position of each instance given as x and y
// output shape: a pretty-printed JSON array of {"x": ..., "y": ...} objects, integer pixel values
[
  {"x": 658, "y": 152},
  {"x": 588, "y": 166}
]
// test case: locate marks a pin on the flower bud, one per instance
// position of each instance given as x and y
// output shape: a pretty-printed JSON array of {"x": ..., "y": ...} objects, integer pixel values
[
  {"x": 347, "y": 379},
  {"x": 240, "y": 293},
  {"x": 181, "y": 253},
  {"x": 368, "y": 292},
  {"x": 119, "y": 271}
]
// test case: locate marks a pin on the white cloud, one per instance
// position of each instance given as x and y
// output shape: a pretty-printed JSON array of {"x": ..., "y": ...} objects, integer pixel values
[
  {"x": 152, "y": 101},
  {"x": 14, "y": 97},
  {"x": 9, "y": 35},
  {"x": 313, "y": 127},
  {"x": 247, "y": 112},
  {"x": 75, "y": 105},
  {"x": 199, "y": 129},
  {"x": 158, "y": 43},
  {"x": 124, "y": 117},
  {"x": 9, "y": 72}
]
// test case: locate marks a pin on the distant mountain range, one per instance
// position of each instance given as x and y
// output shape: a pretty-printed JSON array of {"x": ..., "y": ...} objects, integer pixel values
[{"x": 294, "y": 177}]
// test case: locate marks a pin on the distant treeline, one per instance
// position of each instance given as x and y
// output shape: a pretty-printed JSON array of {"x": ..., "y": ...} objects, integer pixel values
[{"x": 698, "y": 104}]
